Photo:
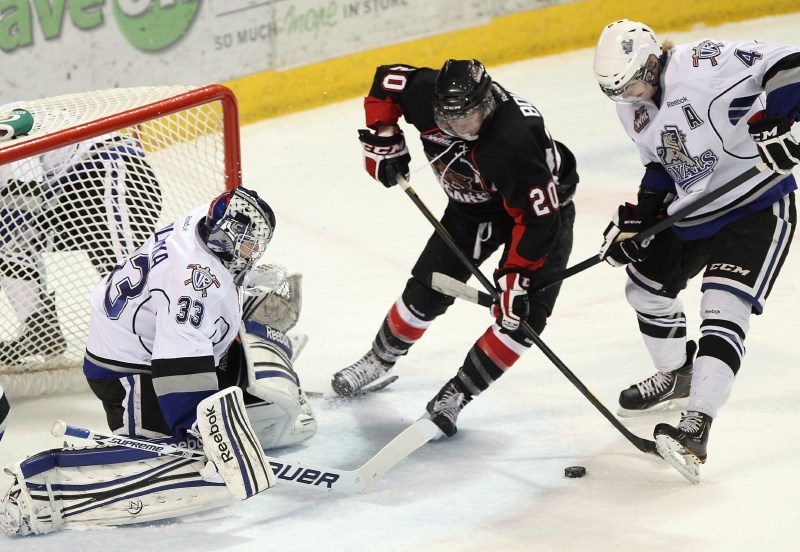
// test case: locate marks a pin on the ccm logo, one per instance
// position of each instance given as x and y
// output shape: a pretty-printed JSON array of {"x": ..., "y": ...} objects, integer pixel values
[
  {"x": 729, "y": 268},
  {"x": 303, "y": 475}
]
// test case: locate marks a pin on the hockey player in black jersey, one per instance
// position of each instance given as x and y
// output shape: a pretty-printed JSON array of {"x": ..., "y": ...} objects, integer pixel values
[{"x": 509, "y": 184}]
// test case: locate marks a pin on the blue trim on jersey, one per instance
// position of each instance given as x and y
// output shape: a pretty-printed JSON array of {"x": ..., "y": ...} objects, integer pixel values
[
  {"x": 658, "y": 179},
  {"x": 93, "y": 370},
  {"x": 180, "y": 410},
  {"x": 784, "y": 101},
  {"x": 688, "y": 233}
]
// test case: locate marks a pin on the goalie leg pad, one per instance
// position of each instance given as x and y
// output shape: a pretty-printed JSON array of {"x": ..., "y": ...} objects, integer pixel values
[
  {"x": 285, "y": 417},
  {"x": 104, "y": 486},
  {"x": 231, "y": 445}
]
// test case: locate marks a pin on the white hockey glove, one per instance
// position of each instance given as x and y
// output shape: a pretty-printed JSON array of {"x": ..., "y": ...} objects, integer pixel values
[
  {"x": 776, "y": 145},
  {"x": 274, "y": 297},
  {"x": 514, "y": 306},
  {"x": 618, "y": 249},
  {"x": 385, "y": 157}
]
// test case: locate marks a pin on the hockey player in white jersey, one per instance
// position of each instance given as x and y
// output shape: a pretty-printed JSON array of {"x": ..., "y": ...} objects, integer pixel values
[
  {"x": 99, "y": 195},
  {"x": 700, "y": 114},
  {"x": 172, "y": 359}
]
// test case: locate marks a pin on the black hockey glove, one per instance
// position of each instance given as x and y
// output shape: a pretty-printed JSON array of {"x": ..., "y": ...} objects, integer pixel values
[
  {"x": 776, "y": 145},
  {"x": 514, "y": 305},
  {"x": 385, "y": 157},
  {"x": 618, "y": 249}
]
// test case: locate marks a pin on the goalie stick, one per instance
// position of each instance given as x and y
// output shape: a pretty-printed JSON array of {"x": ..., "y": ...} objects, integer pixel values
[
  {"x": 290, "y": 471},
  {"x": 644, "y": 445}
]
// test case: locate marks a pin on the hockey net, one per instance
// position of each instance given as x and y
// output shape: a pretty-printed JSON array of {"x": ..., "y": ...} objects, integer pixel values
[{"x": 94, "y": 177}]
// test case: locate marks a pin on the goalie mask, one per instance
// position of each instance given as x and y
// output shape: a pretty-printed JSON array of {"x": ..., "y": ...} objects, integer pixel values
[
  {"x": 626, "y": 61},
  {"x": 238, "y": 228},
  {"x": 462, "y": 98}
]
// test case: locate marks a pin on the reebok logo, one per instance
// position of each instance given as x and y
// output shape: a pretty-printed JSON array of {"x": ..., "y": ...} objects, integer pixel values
[{"x": 216, "y": 435}]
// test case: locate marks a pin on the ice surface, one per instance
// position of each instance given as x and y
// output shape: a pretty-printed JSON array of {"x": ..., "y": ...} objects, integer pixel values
[{"x": 499, "y": 484}]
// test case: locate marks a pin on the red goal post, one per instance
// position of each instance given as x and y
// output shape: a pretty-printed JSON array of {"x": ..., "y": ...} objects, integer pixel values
[{"x": 97, "y": 173}]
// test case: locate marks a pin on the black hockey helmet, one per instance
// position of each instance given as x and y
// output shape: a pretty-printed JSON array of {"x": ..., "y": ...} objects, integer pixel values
[{"x": 462, "y": 98}]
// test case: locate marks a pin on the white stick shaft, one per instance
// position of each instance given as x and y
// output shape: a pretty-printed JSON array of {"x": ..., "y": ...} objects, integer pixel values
[{"x": 289, "y": 471}]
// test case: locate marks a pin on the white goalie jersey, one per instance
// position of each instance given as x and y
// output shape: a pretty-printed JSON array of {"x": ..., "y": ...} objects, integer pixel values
[{"x": 700, "y": 139}]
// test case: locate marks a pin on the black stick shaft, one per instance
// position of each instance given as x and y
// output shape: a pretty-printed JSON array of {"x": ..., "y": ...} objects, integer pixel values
[{"x": 645, "y": 445}]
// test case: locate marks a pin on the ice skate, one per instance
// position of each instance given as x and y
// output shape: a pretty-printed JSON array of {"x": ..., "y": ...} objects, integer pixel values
[
  {"x": 41, "y": 335},
  {"x": 444, "y": 408},
  {"x": 684, "y": 446},
  {"x": 356, "y": 378},
  {"x": 659, "y": 392}
]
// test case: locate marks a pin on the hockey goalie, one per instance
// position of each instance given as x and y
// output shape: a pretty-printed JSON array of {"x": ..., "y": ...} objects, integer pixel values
[{"x": 260, "y": 404}]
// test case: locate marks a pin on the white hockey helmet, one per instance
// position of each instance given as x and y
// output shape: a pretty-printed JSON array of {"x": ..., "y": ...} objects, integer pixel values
[
  {"x": 621, "y": 56},
  {"x": 238, "y": 228}
]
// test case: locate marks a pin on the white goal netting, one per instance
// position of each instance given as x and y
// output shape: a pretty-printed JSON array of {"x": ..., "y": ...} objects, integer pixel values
[{"x": 94, "y": 176}]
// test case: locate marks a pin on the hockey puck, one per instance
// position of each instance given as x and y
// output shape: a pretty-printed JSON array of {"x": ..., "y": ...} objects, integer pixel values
[{"x": 574, "y": 471}]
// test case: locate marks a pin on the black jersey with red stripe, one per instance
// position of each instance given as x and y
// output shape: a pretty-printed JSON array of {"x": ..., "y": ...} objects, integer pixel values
[{"x": 514, "y": 169}]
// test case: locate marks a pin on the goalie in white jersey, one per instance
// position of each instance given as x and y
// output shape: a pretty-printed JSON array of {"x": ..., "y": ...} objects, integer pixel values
[
  {"x": 164, "y": 359},
  {"x": 701, "y": 114}
]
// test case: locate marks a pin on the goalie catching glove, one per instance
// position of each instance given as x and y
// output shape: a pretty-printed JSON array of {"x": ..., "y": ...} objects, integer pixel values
[
  {"x": 385, "y": 155},
  {"x": 776, "y": 145},
  {"x": 513, "y": 306},
  {"x": 618, "y": 248}
]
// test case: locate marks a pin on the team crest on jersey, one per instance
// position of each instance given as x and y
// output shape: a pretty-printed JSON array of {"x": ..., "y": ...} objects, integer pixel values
[
  {"x": 201, "y": 278},
  {"x": 706, "y": 50},
  {"x": 641, "y": 118},
  {"x": 684, "y": 168}
]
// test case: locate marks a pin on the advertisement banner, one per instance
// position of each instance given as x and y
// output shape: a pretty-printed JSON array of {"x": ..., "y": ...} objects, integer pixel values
[{"x": 52, "y": 47}]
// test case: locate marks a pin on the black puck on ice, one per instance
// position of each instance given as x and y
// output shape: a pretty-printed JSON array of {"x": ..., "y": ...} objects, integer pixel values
[{"x": 574, "y": 471}]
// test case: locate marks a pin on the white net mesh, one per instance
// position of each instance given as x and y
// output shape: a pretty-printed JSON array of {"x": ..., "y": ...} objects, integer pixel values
[{"x": 95, "y": 176}]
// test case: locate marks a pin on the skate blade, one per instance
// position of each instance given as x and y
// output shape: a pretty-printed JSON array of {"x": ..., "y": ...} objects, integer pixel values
[
  {"x": 666, "y": 406},
  {"x": 687, "y": 464},
  {"x": 376, "y": 385}
]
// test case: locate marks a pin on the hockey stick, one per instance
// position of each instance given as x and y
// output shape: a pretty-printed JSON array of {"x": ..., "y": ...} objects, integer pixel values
[
  {"x": 666, "y": 222},
  {"x": 455, "y": 288},
  {"x": 644, "y": 445},
  {"x": 291, "y": 471}
]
